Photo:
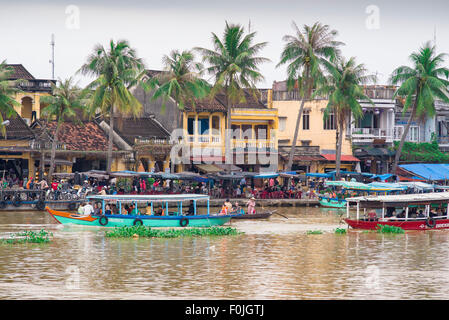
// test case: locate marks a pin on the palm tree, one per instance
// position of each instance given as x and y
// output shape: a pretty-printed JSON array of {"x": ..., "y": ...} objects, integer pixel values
[
  {"x": 420, "y": 85},
  {"x": 117, "y": 70},
  {"x": 180, "y": 80},
  {"x": 305, "y": 53},
  {"x": 343, "y": 86},
  {"x": 234, "y": 65},
  {"x": 8, "y": 90},
  {"x": 61, "y": 106}
]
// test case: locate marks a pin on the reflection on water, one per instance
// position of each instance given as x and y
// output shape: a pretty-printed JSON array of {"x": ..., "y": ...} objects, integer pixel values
[{"x": 274, "y": 259}]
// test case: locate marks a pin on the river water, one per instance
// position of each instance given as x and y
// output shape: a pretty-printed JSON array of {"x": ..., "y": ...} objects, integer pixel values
[{"x": 273, "y": 259}]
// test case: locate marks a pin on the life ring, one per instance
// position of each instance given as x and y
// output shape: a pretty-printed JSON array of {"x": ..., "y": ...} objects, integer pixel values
[
  {"x": 2, "y": 204},
  {"x": 184, "y": 222},
  {"x": 103, "y": 220},
  {"x": 137, "y": 222},
  {"x": 72, "y": 206},
  {"x": 17, "y": 202},
  {"x": 431, "y": 223},
  {"x": 40, "y": 205}
]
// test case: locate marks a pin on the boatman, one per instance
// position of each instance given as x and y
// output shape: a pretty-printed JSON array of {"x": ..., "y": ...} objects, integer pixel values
[{"x": 88, "y": 209}]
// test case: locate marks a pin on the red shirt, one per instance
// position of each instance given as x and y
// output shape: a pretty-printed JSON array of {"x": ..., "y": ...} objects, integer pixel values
[{"x": 54, "y": 186}]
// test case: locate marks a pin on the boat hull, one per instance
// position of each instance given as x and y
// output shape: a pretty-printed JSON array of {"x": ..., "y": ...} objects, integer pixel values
[
  {"x": 262, "y": 215},
  {"x": 67, "y": 218},
  {"x": 406, "y": 225},
  {"x": 332, "y": 203}
]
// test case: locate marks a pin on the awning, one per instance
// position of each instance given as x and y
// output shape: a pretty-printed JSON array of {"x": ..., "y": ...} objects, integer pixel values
[
  {"x": 332, "y": 157},
  {"x": 224, "y": 167},
  {"x": 59, "y": 162},
  {"x": 428, "y": 171},
  {"x": 266, "y": 175},
  {"x": 208, "y": 168}
]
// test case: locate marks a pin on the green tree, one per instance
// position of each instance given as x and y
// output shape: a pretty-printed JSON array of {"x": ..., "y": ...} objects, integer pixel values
[
  {"x": 305, "y": 52},
  {"x": 61, "y": 106},
  {"x": 181, "y": 80},
  {"x": 234, "y": 64},
  {"x": 8, "y": 90},
  {"x": 117, "y": 69},
  {"x": 343, "y": 86},
  {"x": 420, "y": 85}
]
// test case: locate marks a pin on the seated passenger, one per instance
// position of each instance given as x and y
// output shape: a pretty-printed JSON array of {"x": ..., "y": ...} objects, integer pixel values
[
  {"x": 107, "y": 209},
  {"x": 159, "y": 211},
  {"x": 372, "y": 216},
  {"x": 148, "y": 209},
  {"x": 420, "y": 214},
  {"x": 191, "y": 209}
]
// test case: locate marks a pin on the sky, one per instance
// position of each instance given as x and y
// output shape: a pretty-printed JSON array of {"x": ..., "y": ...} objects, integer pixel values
[{"x": 380, "y": 34}]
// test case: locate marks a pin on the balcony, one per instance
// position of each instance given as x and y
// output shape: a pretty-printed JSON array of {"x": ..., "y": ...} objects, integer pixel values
[
  {"x": 36, "y": 85},
  {"x": 253, "y": 144},
  {"x": 368, "y": 135},
  {"x": 204, "y": 139}
]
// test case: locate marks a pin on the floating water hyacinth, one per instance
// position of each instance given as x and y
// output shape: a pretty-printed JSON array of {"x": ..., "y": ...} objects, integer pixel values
[
  {"x": 314, "y": 232},
  {"x": 42, "y": 236},
  {"x": 389, "y": 229},
  {"x": 340, "y": 231},
  {"x": 147, "y": 232}
]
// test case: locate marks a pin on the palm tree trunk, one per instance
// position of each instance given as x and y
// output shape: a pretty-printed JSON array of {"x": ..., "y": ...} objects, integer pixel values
[
  {"x": 53, "y": 152},
  {"x": 295, "y": 136},
  {"x": 401, "y": 143},
  {"x": 338, "y": 149},
  {"x": 111, "y": 133},
  {"x": 228, "y": 137}
]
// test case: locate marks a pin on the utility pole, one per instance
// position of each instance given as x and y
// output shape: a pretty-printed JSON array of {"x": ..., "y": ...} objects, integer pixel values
[{"x": 52, "y": 61}]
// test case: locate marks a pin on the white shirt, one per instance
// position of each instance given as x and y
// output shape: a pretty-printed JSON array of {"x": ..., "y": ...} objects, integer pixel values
[{"x": 88, "y": 209}]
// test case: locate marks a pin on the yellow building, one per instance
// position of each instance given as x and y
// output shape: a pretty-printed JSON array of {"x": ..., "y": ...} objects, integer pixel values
[
  {"x": 253, "y": 129},
  {"x": 316, "y": 136},
  {"x": 18, "y": 155}
]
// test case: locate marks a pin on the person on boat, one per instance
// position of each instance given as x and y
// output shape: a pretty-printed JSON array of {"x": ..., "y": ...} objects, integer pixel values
[
  {"x": 127, "y": 210},
  {"x": 372, "y": 216},
  {"x": 103, "y": 191},
  {"x": 148, "y": 209},
  {"x": 97, "y": 209},
  {"x": 251, "y": 205},
  {"x": 191, "y": 209},
  {"x": 107, "y": 209},
  {"x": 236, "y": 208},
  {"x": 420, "y": 214},
  {"x": 159, "y": 211},
  {"x": 88, "y": 209},
  {"x": 81, "y": 208},
  {"x": 227, "y": 207},
  {"x": 134, "y": 210}
]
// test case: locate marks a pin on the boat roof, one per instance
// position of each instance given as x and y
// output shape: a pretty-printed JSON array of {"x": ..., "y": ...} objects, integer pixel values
[
  {"x": 146, "y": 198},
  {"x": 416, "y": 198},
  {"x": 353, "y": 185}
]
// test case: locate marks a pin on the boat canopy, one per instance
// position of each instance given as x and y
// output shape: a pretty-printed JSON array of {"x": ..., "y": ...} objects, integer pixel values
[
  {"x": 402, "y": 199},
  {"x": 149, "y": 198},
  {"x": 391, "y": 186},
  {"x": 353, "y": 185}
]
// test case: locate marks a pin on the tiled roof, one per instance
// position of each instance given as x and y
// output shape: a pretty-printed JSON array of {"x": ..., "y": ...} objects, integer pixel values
[
  {"x": 19, "y": 72},
  {"x": 85, "y": 136},
  {"x": 130, "y": 129},
  {"x": 17, "y": 129},
  {"x": 219, "y": 103}
]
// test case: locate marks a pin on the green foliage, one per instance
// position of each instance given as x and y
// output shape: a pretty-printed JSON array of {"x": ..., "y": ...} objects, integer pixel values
[
  {"x": 30, "y": 236},
  {"x": 314, "y": 232},
  {"x": 340, "y": 231},
  {"x": 388, "y": 229},
  {"x": 147, "y": 232},
  {"x": 422, "y": 152}
]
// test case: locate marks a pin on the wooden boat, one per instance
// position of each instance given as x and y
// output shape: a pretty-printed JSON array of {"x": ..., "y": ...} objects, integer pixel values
[
  {"x": 332, "y": 203},
  {"x": 176, "y": 218},
  {"x": 258, "y": 215},
  {"x": 376, "y": 210}
]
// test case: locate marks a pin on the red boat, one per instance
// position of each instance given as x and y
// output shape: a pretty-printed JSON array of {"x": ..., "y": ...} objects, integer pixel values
[{"x": 423, "y": 211}]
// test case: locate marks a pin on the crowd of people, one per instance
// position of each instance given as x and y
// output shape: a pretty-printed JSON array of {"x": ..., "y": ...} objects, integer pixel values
[{"x": 245, "y": 188}]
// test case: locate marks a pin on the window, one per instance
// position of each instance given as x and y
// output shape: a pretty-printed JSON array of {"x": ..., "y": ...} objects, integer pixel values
[
  {"x": 236, "y": 131},
  {"x": 414, "y": 134},
  {"x": 282, "y": 123},
  {"x": 306, "y": 120},
  {"x": 261, "y": 131},
  {"x": 190, "y": 125},
  {"x": 329, "y": 122},
  {"x": 203, "y": 125},
  {"x": 247, "y": 131}
]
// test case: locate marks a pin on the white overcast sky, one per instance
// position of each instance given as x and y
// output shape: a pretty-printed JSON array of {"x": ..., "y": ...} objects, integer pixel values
[{"x": 154, "y": 28}]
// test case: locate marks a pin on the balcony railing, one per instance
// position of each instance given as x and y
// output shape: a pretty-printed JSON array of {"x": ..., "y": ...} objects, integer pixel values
[
  {"x": 369, "y": 134},
  {"x": 36, "y": 85},
  {"x": 36, "y": 145},
  {"x": 204, "y": 139},
  {"x": 253, "y": 143}
]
